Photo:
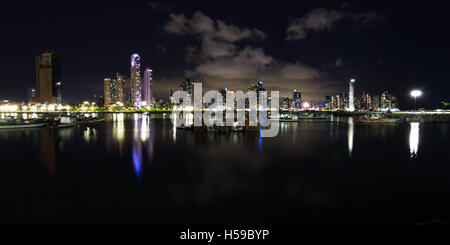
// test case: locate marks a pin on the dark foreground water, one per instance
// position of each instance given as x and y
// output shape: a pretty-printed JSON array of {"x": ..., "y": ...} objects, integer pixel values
[{"x": 139, "y": 170}]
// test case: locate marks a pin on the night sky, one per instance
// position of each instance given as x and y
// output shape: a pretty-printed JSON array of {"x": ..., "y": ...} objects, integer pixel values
[{"x": 314, "y": 46}]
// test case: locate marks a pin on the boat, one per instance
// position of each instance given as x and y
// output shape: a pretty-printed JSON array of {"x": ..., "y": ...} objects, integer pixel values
[
  {"x": 90, "y": 120},
  {"x": 237, "y": 128},
  {"x": 66, "y": 122},
  {"x": 376, "y": 119},
  {"x": 20, "y": 125},
  {"x": 315, "y": 116},
  {"x": 285, "y": 120}
]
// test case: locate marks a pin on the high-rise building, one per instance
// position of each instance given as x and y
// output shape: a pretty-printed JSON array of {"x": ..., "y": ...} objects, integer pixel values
[
  {"x": 127, "y": 92},
  {"x": 110, "y": 91},
  {"x": 148, "y": 77},
  {"x": 99, "y": 100},
  {"x": 257, "y": 87},
  {"x": 48, "y": 78},
  {"x": 120, "y": 79},
  {"x": 388, "y": 101},
  {"x": 285, "y": 103},
  {"x": 188, "y": 86},
  {"x": 376, "y": 103},
  {"x": 351, "y": 92},
  {"x": 344, "y": 100},
  {"x": 327, "y": 102},
  {"x": 297, "y": 98},
  {"x": 136, "y": 84},
  {"x": 31, "y": 95},
  {"x": 365, "y": 102}
]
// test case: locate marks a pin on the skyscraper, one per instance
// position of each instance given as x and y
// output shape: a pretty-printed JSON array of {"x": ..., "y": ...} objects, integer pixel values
[
  {"x": 120, "y": 88},
  {"x": 188, "y": 86},
  {"x": 148, "y": 85},
  {"x": 31, "y": 95},
  {"x": 351, "y": 93},
  {"x": 297, "y": 99},
  {"x": 136, "y": 84},
  {"x": 48, "y": 78},
  {"x": 110, "y": 91}
]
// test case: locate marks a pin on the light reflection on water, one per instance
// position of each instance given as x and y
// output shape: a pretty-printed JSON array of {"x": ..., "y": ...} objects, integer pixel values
[
  {"x": 351, "y": 131},
  {"x": 414, "y": 140},
  {"x": 305, "y": 166}
]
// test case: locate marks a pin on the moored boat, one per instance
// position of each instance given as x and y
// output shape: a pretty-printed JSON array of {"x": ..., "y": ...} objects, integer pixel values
[
  {"x": 88, "y": 120},
  {"x": 21, "y": 125},
  {"x": 237, "y": 128},
  {"x": 376, "y": 119},
  {"x": 66, "y": 122}
]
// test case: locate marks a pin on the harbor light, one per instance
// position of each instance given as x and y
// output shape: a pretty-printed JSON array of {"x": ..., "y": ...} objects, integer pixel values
[
  {"x": 306, "y": 105},
  {"x": 415, "y": 94}
]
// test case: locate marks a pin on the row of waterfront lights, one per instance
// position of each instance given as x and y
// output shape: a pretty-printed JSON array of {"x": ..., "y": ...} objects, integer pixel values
[{"x": 34, "y": 108}]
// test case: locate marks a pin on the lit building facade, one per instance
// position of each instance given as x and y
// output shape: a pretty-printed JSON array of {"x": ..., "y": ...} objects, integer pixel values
[
  {"x": 285, "y": 104},
  {"x": 48, "y": 78},
  {"x": 188, "y": 86},
  {"x": 136, "y": 83},
  {"x": 31, "y": 93},
  {"x": 365, "y": 102},
  {"x": 148, "y": 78},
  {"x": 121, "y": 80},
  {"x": 351, "y": 98},
  {"x": 110, "y": 91},
  {"x": 297, "y": 99}
]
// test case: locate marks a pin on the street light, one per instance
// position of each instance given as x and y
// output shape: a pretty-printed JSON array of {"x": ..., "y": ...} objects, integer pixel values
[{"x": 415, "y": 94}]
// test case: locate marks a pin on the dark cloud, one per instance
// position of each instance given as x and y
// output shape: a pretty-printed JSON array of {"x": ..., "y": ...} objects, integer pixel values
[
  {"x": 320, "y": 19},
  {"x": 161, "y": 49},
  {"x": 222, "y": 61},
  {"x": 159, "y": 6},
  {"x": 339, "y": 62},
  {"x": 202, "y": 25}
]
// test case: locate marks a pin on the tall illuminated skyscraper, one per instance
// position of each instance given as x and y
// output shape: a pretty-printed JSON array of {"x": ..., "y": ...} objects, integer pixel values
[
  {"x": 148, "y": 73},
  {"x": 120, "y": 88},
  {"x": 110, "y": 91},
  {"x": 297, "y": 98},
  {"x": 136, "y": 84},
  {"x": 48, "y": 78},
  {"x": 351, "y": 94}
]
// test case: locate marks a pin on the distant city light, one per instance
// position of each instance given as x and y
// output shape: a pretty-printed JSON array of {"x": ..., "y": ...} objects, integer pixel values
[{"x": 306, "y": 105}]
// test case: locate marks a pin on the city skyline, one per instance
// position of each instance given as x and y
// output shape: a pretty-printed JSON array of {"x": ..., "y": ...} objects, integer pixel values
[
  {"x": 191, "y": 120},
  {"x": 234, "y": 49}
]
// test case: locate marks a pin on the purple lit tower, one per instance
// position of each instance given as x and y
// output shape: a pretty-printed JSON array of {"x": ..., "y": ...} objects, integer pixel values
[{"x": 136, "y": 84}]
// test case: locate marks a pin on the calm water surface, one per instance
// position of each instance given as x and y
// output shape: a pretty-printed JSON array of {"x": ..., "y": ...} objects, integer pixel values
[{"x": 136, "y": 169}]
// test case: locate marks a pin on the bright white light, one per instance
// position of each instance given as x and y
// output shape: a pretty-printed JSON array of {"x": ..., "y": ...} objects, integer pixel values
[
  {"x": 9, "y": 108},
  {"x": 414, "y": 140},
  {"x": 51, "y": 107},
  {"x": 416, "y": 93},
  {"x": 306, "y": 105},
  {"x": 350, "y": 135},
  {"x": 352, "y": 80}
]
